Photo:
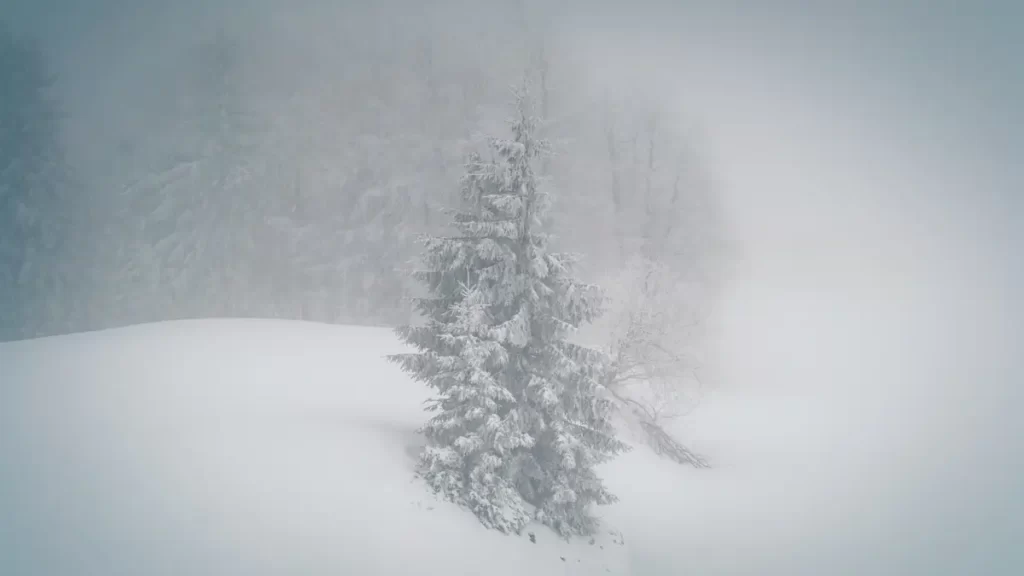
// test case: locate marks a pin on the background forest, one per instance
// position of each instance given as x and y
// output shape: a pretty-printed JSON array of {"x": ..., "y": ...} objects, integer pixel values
[{"x": 237, "y": 173}]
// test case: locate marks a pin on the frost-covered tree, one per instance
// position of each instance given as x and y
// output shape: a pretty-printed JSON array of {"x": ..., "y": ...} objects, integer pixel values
[
  {"x": 521, "y": 418},
  {"x": 652, "y": 331},
  {"x": 37, "y": 247},
  {"x": 195, "y": 250}
]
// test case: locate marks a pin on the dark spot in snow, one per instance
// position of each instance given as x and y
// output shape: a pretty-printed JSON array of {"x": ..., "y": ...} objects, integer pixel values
[
  {"x": 563, "y": 558},
  {"x": 533, "y": 537}
]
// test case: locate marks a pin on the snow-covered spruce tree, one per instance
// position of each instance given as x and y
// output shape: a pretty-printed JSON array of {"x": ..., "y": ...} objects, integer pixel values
[{"x": 521, "y": 419}]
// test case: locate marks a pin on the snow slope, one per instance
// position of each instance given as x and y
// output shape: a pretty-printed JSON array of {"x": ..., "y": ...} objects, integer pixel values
[
  {"x": 264, "y": 447},
  {"x": 236, "y": 447}
]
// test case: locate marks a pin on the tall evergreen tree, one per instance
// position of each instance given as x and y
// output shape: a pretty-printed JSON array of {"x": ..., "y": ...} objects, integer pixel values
[
  {"x": 202, "y": 200},
  {"x": 520, "y": 417},
  {"x": 36, "y": 259}
]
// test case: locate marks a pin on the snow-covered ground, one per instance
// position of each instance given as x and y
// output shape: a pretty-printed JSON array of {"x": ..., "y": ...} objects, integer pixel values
[{"x": 264, "y": 447}]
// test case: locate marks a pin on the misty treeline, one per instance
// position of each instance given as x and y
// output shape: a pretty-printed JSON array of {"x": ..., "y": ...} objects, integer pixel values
[{"x": 294, "y": 185}]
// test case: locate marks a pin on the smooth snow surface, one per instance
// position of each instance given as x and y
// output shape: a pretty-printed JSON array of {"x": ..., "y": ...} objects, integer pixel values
[{"x": 261, "y": 447}]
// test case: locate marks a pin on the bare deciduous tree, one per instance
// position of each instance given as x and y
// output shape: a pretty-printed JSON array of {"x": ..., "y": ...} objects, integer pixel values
[{"x": 651, "y": 337}]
